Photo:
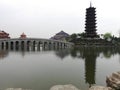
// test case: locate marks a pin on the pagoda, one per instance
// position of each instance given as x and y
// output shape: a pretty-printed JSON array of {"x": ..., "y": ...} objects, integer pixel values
[
  {"x": 90, "y": 24},
  {"x": 23, "y": 36}
]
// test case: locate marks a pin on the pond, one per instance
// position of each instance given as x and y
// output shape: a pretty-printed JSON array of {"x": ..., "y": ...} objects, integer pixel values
[{"x": 40, "y": 70}]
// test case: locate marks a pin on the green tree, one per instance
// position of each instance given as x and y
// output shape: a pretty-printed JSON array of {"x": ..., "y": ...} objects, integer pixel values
[
  {"x": 107, "y": 36},
  {"x": 73, "y": 37},
  {"x": 82, "y": 35}
]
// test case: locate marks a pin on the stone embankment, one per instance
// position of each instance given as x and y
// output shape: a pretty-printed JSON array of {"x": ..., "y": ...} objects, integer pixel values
[
  {"x": 100, "y": 88},
  {"x": 114, "y": 80},
  {"x": 67, "y": 87},
  {"x": 72, "y": 87},
  {"x": 64, "y": 87},
  {"x": 113, "y": 83}
]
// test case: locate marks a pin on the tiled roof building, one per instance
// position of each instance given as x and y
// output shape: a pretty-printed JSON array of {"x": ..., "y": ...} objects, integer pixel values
[
  {"x": 23, "y": 35},
  {"x": 60, "y": 36},
  {"x": 3, "y": 34}
]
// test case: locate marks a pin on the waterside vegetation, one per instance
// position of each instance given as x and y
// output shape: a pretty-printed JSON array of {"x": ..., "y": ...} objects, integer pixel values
[{"x": 106, "y": 39}]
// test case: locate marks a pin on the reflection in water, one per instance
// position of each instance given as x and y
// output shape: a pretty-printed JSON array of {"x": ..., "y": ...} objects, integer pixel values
[
  {"x": 86, "y": 54},
  {"x": 106, "y": 51},
  {"x": 74, "y": 52},
  {"x": 3, "y": 54},
  {"x": 90, "y": 65},
  {"x": 89, "y": 54},
  {"x": 62, "y": 53}
]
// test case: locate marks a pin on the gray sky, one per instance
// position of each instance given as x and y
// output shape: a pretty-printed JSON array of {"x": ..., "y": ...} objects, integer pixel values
[{"x": 44, "y": 18}]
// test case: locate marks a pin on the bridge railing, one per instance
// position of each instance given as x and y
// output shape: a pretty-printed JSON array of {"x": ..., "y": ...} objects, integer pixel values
[{"x": 33, "y": 43}]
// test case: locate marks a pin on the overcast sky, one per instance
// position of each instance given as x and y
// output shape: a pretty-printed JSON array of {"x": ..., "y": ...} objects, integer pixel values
[{"x": 44, "y": 18}]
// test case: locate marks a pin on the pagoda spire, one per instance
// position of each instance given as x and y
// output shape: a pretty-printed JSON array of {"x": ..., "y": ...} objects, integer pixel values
[{"x": 90, "y": 3}]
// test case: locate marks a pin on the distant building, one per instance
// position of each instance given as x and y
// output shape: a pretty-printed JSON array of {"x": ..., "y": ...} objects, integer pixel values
[
  {"x": 60, "y": 36},
  {"x": 3, "y": 34},
  {"x": 23, "y": 36}
]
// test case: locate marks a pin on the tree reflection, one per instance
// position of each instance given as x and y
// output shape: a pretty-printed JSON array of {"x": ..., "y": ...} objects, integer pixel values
[
  {"x": 90, "y": 54},
  {"x": 106, "y": 51}
]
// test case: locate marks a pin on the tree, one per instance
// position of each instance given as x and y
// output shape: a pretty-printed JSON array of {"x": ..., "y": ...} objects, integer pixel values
[
  {"x": 107, "y": 36},
  {"x": 82, "y": 35},
  {"x": 73, "y": 37}
]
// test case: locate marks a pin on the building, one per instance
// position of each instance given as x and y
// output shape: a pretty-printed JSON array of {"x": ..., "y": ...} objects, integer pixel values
[
  {"x": 60, "y": 36},
  {"x": 90, "y": 24},
  {"x": 23, "y": 36},
  {"x": 4, "y": 35}
]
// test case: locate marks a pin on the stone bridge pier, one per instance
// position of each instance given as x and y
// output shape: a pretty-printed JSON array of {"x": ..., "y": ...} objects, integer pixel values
[{"x": 33, "y": 44}]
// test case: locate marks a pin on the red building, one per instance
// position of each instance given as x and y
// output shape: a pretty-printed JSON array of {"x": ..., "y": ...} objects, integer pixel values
[
  {"x": 3, "y": 34},
  {"x": 23, "y": 35}
]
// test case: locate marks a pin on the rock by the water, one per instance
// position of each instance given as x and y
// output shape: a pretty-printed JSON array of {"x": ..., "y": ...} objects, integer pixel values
[
  {"x": 64, "y": 87},
  {"x": 100, "y": 88},
  {"x": 114, "y": 80}
]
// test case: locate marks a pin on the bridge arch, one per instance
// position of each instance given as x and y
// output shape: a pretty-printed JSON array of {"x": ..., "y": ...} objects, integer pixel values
[
  {"x": 2, "y": 44},
  {"x": 17, "y": 45},
  {"x": 22, "y": 45},
  {"x": 28, "y": 45},
  {"x": 34, "y": 45},
  {"x": 11, "y": 45},
  {"x": 7, "y": 45},
  {"x": 39, "y": 45}
]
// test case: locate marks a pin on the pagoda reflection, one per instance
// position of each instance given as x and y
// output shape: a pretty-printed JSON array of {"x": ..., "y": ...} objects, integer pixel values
[{"x": 90, "y": 55}]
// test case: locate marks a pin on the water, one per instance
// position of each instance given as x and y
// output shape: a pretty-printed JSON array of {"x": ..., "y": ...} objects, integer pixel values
[{"x": 40, "y": 70}]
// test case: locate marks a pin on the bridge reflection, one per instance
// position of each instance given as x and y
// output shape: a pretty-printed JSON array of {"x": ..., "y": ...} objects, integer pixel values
[{"x": 3, "y": 54}]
